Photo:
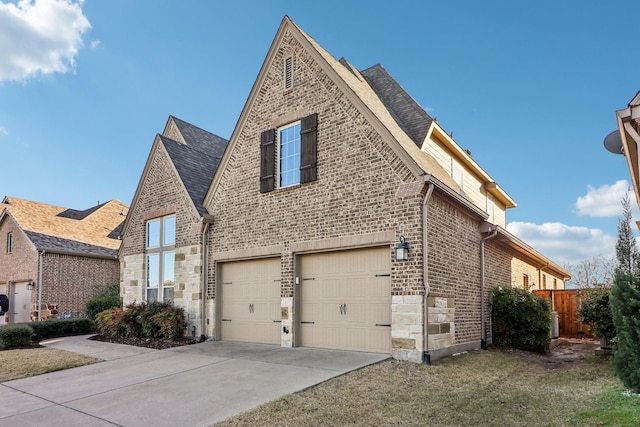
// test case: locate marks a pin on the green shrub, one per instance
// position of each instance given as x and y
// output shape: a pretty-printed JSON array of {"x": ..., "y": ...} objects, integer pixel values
[
  {"x": 2, "y": 346},
  {"x": 16, "y": 336},
  {"x": 595, "y": 311},
  {"x": 107, "y": 298},
  {"x": 171, "y": 323},
  {"x": 520, "y": 319},
  {"x": 61, "y": 328}
]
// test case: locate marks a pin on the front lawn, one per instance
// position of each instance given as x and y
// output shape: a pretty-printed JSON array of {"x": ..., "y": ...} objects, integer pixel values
[
  {"x": 491, "y": 388},
  {"x": 27, "y": 362}
]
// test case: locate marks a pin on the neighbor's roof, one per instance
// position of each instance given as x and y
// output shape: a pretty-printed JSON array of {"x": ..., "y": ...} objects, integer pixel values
[
  {"x": 196, "y": 155},
  {"x": 92, "y": 231}
]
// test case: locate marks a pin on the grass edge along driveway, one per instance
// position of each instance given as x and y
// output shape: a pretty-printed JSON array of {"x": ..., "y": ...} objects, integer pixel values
[
  {"x": 22, "y": 363},
  {"x": 487, "y": 388}
]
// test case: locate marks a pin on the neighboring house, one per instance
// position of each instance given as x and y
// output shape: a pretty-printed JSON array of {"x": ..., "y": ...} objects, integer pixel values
[
  {"x": 626, "y": 140},
  {"x": 327, "y": 173},
  {"x": 161, "y": 254},
  {"x": 53, "y": 259}
]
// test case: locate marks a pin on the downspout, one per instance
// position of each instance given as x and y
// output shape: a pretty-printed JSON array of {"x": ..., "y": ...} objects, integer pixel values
[
  {"x": 483, "y": 332},
  {"x": 426, "y": 357},
  {"x": 207, "y": 220},
  {"x": 40, "y": 259}
]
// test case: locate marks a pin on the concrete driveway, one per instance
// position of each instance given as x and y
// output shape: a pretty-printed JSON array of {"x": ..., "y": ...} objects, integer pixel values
[{"x": 195, "y": 385}]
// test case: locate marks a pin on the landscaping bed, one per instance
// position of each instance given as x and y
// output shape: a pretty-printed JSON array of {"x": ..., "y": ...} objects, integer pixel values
[{"x": 155, "y": 343}]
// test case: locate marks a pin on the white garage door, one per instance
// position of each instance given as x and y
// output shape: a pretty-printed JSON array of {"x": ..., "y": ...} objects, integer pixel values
[
  {"x": 250, "y": 295},
  {"x": 345, "y": 300}
]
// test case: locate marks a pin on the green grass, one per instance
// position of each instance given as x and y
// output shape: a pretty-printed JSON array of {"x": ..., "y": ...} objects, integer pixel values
[{"x": 478, "y": 389}]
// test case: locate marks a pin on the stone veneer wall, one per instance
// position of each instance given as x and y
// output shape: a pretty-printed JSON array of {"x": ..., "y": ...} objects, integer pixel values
[{"x": 161, "y": 193}]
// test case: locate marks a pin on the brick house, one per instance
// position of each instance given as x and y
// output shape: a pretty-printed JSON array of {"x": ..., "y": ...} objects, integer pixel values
[
  {"x": 53, "y": 259},
  {"x": 330, "y": 175},
  {"x": 328, "y": 171},
  {"x": 625, "y": 141},
  {"x": 161, "y": 254}
]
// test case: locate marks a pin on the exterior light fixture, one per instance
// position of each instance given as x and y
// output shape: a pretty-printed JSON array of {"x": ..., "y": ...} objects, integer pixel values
[
  {"x": 31, "y": 286},
  {"x": 402, "y": 250}
]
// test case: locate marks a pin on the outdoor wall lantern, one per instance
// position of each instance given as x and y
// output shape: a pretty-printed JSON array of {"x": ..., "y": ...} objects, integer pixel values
[
  {"x": 31, "y": 286},
  {"x": 402, "y": 250}
]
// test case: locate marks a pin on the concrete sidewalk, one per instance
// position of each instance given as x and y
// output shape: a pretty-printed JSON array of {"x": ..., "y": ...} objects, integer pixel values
[{"x": 194, "y": 385}]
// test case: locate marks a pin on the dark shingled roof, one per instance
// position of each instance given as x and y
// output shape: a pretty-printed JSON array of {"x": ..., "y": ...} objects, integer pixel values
[
  {"x": 79, "y": 215},
  {"x": 409, "y": 115},
  {"x": 197, "y": 160},
  {"x": 58, "y": 244}
]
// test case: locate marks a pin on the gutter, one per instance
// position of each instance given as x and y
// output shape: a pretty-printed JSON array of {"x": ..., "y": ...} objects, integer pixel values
[
  {"x": 426, "y": 357},
  {"x": 40, "y": 259},
  {"x": 207, "y": 220},
  {"x": 493, "y": 232}
]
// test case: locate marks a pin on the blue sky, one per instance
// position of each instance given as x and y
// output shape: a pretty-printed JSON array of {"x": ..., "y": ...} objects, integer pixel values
[{"x": 530, "y": 88}]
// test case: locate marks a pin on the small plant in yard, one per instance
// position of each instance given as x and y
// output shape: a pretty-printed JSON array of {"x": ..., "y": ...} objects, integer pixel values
[
  {"x": 595, "y": 311},
  {"x": 108, "y": 297},
  {"x": 520, "y": 319}
]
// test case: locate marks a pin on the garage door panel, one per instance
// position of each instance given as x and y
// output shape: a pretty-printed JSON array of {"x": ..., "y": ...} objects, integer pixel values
[
  {"x": 344, "y": 295},
  {"x": 251, "y": 301}
]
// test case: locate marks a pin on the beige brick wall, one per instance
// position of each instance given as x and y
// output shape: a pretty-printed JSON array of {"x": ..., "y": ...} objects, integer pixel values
[
  {"x": 358, "y": 176},
  {"x": 160, "y": 193}
]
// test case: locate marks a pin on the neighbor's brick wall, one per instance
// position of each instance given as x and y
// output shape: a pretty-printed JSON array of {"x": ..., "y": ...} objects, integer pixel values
[
  {"x": 69, "y": 281},
  {"x": 358, "y": 175},
  {"x": 22, "y": 263},
  {"x": 454, "y": 265}
]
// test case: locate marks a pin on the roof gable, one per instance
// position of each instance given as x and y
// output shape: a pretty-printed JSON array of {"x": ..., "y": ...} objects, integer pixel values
[{"x": 53, "y": 228}]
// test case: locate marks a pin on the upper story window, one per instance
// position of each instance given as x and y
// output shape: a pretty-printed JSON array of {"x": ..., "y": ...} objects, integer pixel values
[
  {"x": 544, "y": 281},
  {"x": 288, "y": 155},
  {"x": 490, "y": 208},
  {"x": 525, "y": 282},
  {"x": 9, "y": 242},
  {"x": 555, "y": 283},
  {"x": 456, "y": 173},
  {"x": 161, "y": 240}
]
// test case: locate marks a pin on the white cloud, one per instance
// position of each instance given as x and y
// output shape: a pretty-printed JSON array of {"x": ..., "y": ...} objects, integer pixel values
[
  {"x": 604, "y": 201},
  {"x": 563, "y": 243},
  {"x": 40, "y": 37},
  {"x": 94, "y": 44},
  {"x": 3, "y": 131}
]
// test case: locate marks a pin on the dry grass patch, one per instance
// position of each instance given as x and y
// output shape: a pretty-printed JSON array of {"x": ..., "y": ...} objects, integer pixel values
[
  {"x": 21, "y": 363},
  {"x": 478, "y": 389}
]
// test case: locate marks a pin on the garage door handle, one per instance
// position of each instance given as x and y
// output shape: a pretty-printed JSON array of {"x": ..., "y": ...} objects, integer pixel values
[
  {"x": 277, "y": 321},
  {"x": 383, "y": 324},
  {"x": 226, "y": 320},
  {"x": 311, "y": 323}
]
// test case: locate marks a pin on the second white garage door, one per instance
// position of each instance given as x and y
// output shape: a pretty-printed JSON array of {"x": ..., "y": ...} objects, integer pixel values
[
  {"x": 345, "y": 300},
  {"x": 250, "y": 301}
]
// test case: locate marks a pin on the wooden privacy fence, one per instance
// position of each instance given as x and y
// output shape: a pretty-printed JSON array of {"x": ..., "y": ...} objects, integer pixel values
[{"x": 565, "y": 303}]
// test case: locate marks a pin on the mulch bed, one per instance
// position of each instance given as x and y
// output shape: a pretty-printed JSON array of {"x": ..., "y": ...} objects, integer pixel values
[{"x": 155, "y": 343}]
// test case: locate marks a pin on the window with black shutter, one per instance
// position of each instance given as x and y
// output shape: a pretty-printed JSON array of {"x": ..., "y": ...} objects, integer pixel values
[{"x": 288, "y": 155}]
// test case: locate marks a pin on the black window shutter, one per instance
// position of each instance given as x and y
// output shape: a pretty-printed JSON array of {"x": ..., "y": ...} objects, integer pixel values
[
  {"x": 267, "y": 160},
  {"x": 308, "y": 148}
]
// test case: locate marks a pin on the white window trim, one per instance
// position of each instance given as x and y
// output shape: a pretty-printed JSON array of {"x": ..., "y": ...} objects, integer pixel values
[
  {"x": 161, "y": 249},
  {"x": 9, "y": 242}
]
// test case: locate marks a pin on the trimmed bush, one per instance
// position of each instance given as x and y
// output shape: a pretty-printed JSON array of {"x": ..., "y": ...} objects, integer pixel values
[
  {"x": 145, "y": 320},
  {"x": 16, "y": 336},
  {"x": 111, "y": 322},
  {"x": 61, "y": 328},
  {"x": 520, "y": 319},
  {"x": 108, "y": 298}
]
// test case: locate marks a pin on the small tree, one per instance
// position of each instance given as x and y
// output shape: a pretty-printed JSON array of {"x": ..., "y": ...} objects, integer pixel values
[
  {"x": 625, "y": 304},
  {"x": 107, "y": 298},
  {"x": 595, "y": 311}
]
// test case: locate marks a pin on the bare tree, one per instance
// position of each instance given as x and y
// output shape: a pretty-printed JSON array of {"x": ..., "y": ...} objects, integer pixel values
[{"x": 598, "y": 271}]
